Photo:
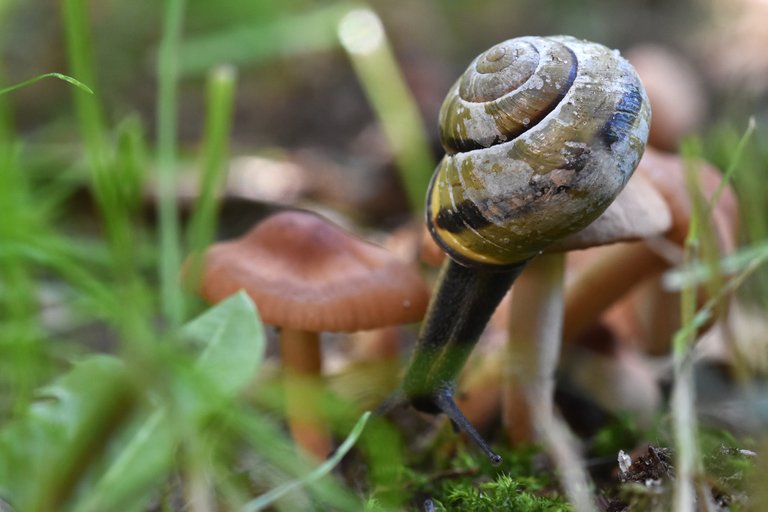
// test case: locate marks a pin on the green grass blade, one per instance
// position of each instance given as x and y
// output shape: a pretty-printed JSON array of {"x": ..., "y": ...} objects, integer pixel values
[
  {"x": 46, "y": 451},
  {"x": 736, "y": 159},
  {"x": 705, "y": 312},
  {"x": 323, "y": 469},
  {"x": 696, "y": 274},
  {"x": 132, "y": 317},
  {"x": 228, "y": 341},
  {"x": 363, "y": 37},
  {"x": 745, "y": 150},
  {"x": 60, "y": 76},
  {"x": 682, "y": 401},
  {"x": 170, "y": 252},
  {"x": 257, "y": 42},
  {"x": 79, "y": 55},
  {"x": 202, "y": 224},
  {"x": 21, "y": 337}
]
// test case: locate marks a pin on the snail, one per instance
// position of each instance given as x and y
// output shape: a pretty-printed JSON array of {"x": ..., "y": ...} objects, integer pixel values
[{"x": 541, "y": 134}]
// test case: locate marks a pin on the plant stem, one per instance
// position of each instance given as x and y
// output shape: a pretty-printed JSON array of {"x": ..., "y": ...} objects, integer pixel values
[
  {"x": 364, "y": 39},
  {"x": 106, "y": 182},
  {"x": 684, "y": 424},
  {"x": 167, "y": 73},
  {"x": 213, "y": 172}
]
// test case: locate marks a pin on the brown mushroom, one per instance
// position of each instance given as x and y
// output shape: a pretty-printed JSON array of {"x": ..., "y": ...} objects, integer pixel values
[
  {"x": 604, "y": 365},
  {"x": 537, "y": 315},
  {"x": 638, "y": 212},
  {"x": 618, "y": 288},
  {"x": 307, "y": 275},
  {"x": 614, "y": 271},
  {"x": 536, "y": 322}
]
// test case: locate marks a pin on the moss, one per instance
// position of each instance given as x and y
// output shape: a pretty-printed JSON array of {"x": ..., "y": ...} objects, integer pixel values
[
  {"x": 729, "y": 466},
  {"x": 466, "y": 481},
  {"x": 621, "y": 434},
  {"x": 503, "y": 493}
]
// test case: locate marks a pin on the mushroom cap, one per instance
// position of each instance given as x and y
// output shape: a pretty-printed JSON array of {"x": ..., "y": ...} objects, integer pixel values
[
  {"x": 429, "y": 252},
  {"x": 638, "y": 212},
  {"x": 303, "y": 272},
  {"x": 666, "y": 171}
]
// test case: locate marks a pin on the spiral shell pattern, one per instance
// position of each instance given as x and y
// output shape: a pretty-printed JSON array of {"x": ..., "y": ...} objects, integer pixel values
[{"x": 541, "y": 134}]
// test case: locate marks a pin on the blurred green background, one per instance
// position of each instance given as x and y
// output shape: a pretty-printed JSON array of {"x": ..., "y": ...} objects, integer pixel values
[
  {"x": 296, "y": 86},
  {"x": 296, "y": 89}
]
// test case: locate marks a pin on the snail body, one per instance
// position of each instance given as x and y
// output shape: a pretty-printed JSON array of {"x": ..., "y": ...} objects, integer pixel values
[{"x": 541, "y": 134}]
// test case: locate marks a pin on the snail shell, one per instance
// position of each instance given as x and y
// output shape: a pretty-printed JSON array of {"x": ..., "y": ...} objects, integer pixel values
[{"x": 541, "y": 134}]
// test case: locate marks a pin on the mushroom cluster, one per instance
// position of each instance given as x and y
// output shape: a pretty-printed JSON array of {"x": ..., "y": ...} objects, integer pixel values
[{"x": 612, "y": 302}]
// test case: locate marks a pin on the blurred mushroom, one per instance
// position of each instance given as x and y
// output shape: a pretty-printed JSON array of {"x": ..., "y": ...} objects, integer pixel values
[
  {"x": 732, "y": 45},
  {"x": 538, "y": 312},
  {"x": 535, "y": 319},
  {"x": 612, "y": 272},
  {"x": 307, "y": 275},
  {"x": 533, "y": 347},
  {"x": 675, "y": 91},
  {"x": 613, "y": 373},
  {"x": 274, "y": 179}
]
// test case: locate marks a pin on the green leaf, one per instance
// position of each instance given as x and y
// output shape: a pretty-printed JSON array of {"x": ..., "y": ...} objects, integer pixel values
[
  {"x": 46, "y": 450},
  {"x": 84, "y": 433},
  {"x": 145, "y": 456},
  {"x": 323, "y": 469},
  {"x": 231, "y": 339}
]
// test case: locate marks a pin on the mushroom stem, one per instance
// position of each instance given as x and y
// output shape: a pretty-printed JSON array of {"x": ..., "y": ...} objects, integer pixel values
[
  {"x": 533, "y": 347},
  {"x": 302, "y": 360},
  {"x": 463, "y": 302},
  {"x": 536, "y": 323}
]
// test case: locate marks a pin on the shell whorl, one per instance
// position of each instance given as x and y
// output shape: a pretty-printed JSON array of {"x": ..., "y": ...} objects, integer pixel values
[{"x": 541, "y": 134}]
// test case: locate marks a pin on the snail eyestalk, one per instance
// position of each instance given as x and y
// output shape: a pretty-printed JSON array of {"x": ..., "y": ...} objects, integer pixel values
[
  {"x": 444, "y": 401},
  {"x": 463, "y": 302}
]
